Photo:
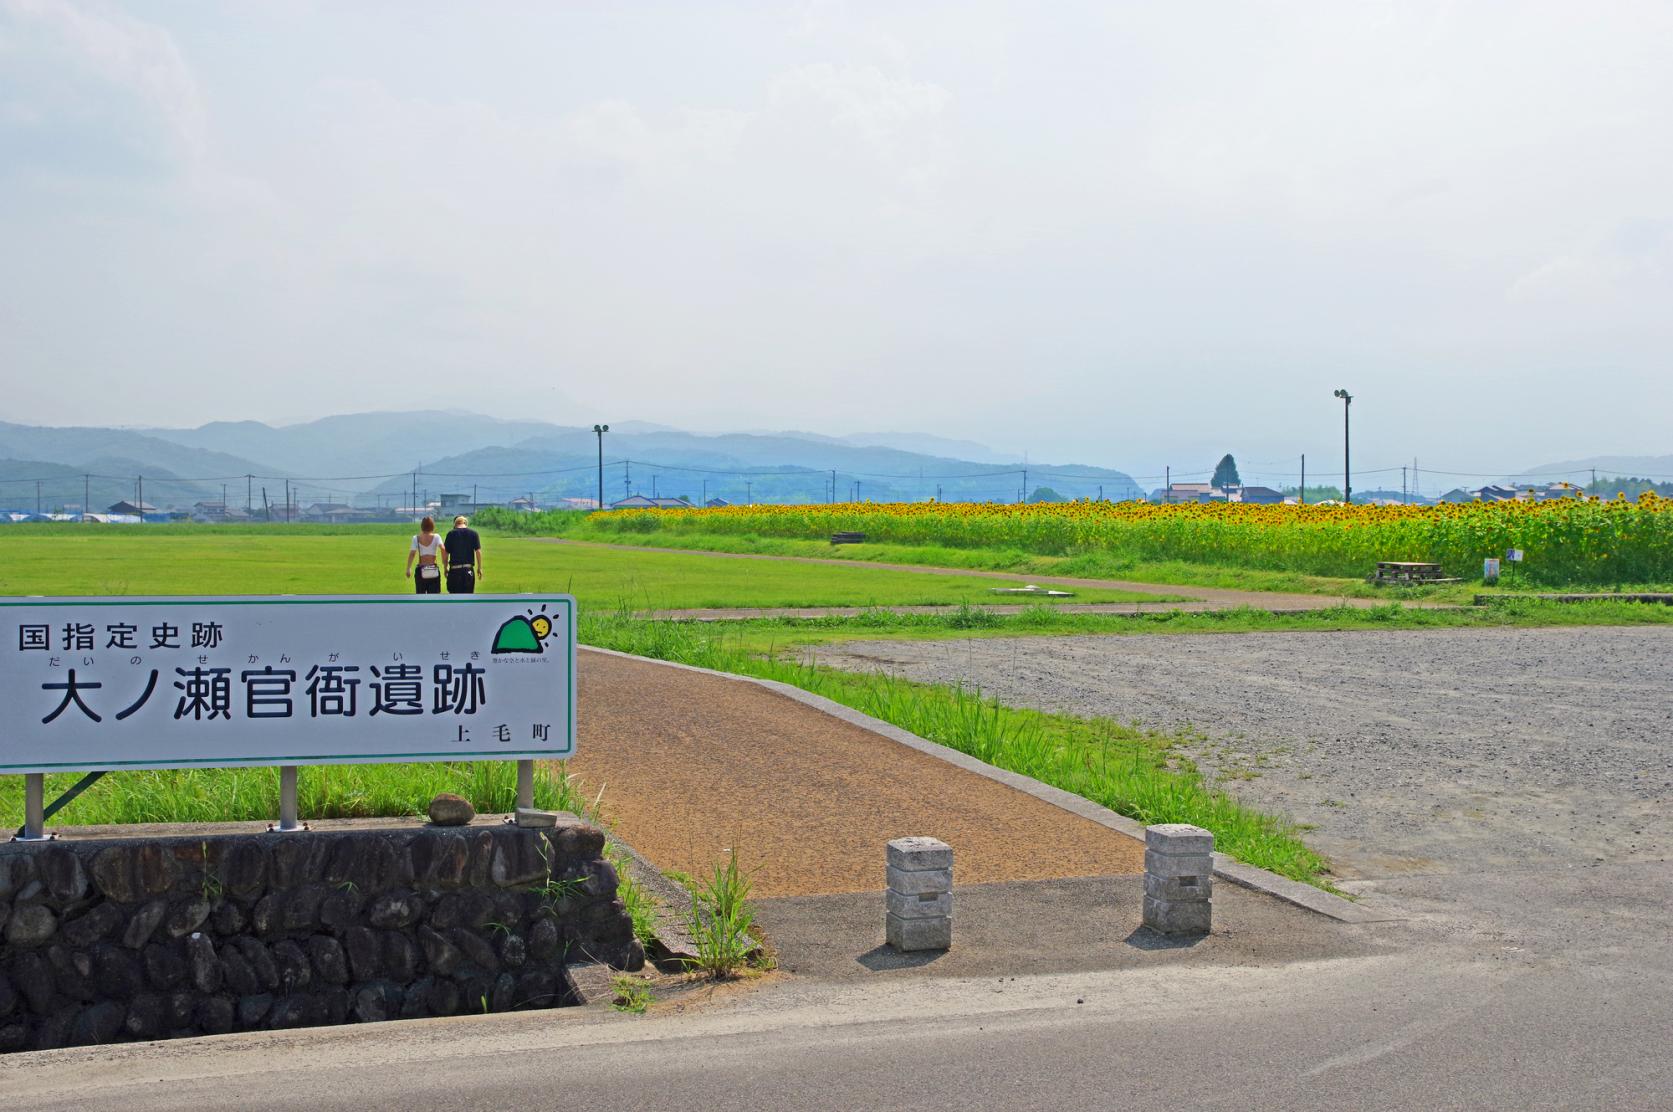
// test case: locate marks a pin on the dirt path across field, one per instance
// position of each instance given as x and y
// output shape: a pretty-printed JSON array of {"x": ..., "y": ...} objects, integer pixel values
[
  {"x": 693, "y": 765},
  {"x": 1203, "y": 598}
]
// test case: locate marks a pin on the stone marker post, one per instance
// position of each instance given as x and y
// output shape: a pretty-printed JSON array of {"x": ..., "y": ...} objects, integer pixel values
[
  {"x": 920, "y": 895},
  {"x": 1178, "y": 878}
]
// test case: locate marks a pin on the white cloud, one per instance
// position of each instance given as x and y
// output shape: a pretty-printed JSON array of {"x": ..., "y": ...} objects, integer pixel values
[
  {"x": 714, "y": 215},
  {"x": 125, "y": 53}
]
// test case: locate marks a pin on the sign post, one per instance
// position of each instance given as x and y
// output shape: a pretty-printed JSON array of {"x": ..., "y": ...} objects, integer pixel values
[
  {"x": 34, "y": 807},
  {"x": 127, "y": 683}
]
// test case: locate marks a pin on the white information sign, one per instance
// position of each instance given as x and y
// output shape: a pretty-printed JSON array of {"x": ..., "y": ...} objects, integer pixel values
[{"x": 110, "y": 683}]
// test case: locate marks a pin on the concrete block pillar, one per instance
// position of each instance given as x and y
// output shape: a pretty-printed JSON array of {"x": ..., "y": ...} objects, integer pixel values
[
  {"x": 919, "y": 901},
  {"x": 1178, "y": 878}
]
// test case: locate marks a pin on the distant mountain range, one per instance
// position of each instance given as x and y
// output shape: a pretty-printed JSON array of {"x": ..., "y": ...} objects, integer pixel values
[
  {"x": 1611, "y": 467},
  {"x": 372, "y": 459}
]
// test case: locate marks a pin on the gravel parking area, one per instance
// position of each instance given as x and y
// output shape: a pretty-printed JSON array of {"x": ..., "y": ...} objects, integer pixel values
[{"x": 1412, "y": 751}]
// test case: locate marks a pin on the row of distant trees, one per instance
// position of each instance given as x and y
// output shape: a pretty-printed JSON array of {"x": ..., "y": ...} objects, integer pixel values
[{"x": 1631, "y": 488}]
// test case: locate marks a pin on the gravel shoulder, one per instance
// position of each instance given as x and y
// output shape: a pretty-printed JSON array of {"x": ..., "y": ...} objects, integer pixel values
[{"x": 1411, "y": 751}]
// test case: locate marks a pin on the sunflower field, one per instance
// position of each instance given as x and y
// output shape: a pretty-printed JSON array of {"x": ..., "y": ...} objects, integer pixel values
[{"x": 1566, "y": 541}]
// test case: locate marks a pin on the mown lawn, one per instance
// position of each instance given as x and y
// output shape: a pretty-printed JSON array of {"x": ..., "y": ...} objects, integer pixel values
[{"x": 131, "y": 560}]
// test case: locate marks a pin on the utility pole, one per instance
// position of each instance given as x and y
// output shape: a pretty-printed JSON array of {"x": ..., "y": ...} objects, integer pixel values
[
  {"x": 1403, "y": 499},
  {"x": 833, "y": 486},
  {"x": 653, "y": 485},
  {"x": 287, "y": 501},
  {"x": 1167, "y": 484},
  {"x": 139, "y": 484},
  {"x": 856, "y": 490},
  {"x": 37, "y": 497},
  {"x": 749, "y": 491},
  {"x": 1025, "y": 484},
  {"x": 223, "y": 501},
  {"x": 416, "y": 515},
  {"x": 705, "y": 492},
  {"x": 86, "y": 494},
  {"x": 599, "y": 431},
  {"x": 627, "y": 478},
  {"x": 249, "y": 492},
  {"x": 1347, "y": 472},
  {"x": 1304, "y": 478}
]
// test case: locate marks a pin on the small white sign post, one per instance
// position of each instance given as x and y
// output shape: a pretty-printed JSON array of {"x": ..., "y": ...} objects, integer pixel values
[{"x": 115, "y": 683}]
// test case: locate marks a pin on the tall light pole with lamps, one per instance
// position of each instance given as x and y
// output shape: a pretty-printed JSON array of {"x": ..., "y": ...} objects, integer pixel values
[
  {"x": 601, "y": 430},
  {"x": 1347, "y": 481}
]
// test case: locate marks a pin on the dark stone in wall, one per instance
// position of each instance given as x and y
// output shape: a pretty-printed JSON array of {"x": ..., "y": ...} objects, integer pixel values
[
  {"x": 239, "y": 976},
  {"x": 400, "y": 957},
  {"x": 114, "y": 939},
  {"x": 216, "y": 1014},
  {"x": 243, "y": 871},
  {"x": 330, "y": 963},
  {"x": 146, "y": 1013},
  {"x": 202, "y": 964},
  {"x": 92, "y": 926},
  {"x": 296, "y": 972},
  {"x": 144, "y": 924},
  {"x": 98, "y": 1024},
  {"x": 31, "y": 925},
  {"x": 63, "y": 874},
  {"x": 164, "y": 965},
  {"x": 186, "y": 916},
  {"x": 228, "y": 918}
]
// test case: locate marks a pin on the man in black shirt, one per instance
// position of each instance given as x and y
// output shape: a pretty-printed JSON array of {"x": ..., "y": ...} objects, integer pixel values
[{"x": 462, "y": 553}]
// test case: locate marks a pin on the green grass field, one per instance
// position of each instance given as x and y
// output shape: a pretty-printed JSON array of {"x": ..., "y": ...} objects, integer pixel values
[
  {"x": 102, "y": 560},
  {"x": 1132, "y": 771},
  {"x": 1087, "y": 565},
  {"x": 1090, "y": 565}
]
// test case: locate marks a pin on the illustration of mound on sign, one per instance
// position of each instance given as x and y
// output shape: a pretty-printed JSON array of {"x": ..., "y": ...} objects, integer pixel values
[{"x": 520, "y": 634}]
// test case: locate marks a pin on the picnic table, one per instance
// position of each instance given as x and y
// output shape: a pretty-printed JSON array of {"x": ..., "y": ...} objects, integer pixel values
[
  {"x": 848, "y": 538},
  {"x": 1408, "y": 572}
]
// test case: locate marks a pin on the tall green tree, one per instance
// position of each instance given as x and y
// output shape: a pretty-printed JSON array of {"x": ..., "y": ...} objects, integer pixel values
[{"x": 1225, "y": 473}]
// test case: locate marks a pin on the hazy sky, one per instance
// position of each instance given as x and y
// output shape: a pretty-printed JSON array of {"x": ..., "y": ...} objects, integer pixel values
[{"x": 1127, "y": 234}]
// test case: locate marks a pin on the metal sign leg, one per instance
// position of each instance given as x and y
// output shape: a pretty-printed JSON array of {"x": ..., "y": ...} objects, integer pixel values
[
  {"x": 34, "y": 808},
  {"x": 525, "y": 783},
  {"x": 287, "y": 801}
]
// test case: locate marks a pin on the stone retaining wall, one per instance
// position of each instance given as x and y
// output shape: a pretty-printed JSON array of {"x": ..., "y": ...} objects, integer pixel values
[{"x": 124, "y": 938}]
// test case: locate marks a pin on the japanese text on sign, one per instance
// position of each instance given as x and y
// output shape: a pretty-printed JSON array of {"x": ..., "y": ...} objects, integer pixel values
[{"x": 105, "y": 683}]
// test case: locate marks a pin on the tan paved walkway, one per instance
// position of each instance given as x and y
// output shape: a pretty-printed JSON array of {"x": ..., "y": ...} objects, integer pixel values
[{"x": 692, "y": 765}]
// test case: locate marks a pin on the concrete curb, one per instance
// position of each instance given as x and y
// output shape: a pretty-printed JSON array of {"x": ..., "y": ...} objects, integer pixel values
[
  {"x": 673, "y": 905},
  {"x": 1226, "y": 868}
]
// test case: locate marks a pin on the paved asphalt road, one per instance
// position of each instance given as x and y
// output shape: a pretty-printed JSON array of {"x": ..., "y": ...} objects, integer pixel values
[{"x": 1453, "y": 1019}]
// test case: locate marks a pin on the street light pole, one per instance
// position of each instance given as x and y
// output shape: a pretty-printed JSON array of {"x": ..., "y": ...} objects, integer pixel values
[
  {"x": 601, "y": 430},
  {"x": 1347, "y": 473}
]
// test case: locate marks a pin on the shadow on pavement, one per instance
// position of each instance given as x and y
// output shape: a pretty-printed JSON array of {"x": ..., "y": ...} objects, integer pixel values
[{"x": 1049, "y": 926}]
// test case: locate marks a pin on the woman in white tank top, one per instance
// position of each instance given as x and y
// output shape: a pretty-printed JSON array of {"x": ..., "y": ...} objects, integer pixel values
[{"x": 427, "y": 547}]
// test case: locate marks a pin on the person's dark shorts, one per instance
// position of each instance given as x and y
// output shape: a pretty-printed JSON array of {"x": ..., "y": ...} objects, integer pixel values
[
  {"x": 430, "y": 586},
  {"x": 461, "y": 581}
]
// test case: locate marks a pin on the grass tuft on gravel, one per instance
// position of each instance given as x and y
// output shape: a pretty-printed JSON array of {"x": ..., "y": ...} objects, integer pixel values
[{"x": 1131, "y": 771}]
